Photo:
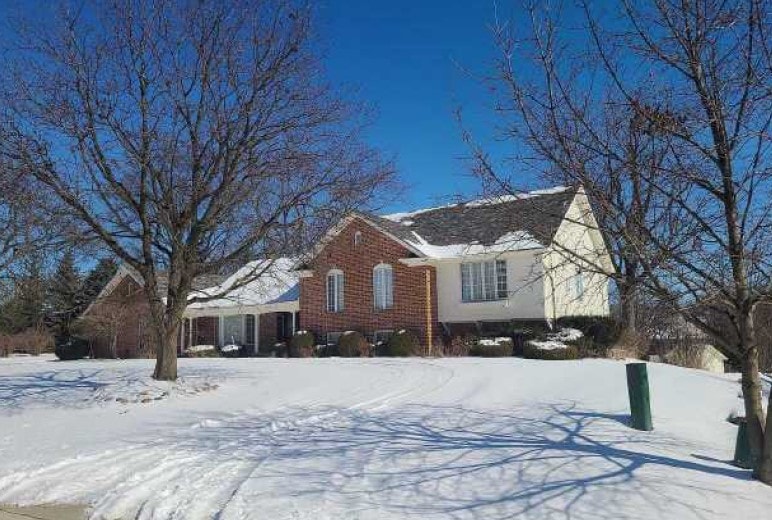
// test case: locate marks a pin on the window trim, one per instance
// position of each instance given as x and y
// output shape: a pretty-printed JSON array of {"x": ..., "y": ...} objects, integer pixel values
[
  {"x": 579, "y": 286},
  {"x": 338, "y": 303},
  {"x": 483, "y": 276},
  {"x": 388, "y": 299}
]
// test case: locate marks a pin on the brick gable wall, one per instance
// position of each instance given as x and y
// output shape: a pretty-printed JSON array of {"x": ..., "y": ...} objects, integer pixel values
[
  {"x": 357, "y": 263},
  {"x": 117, "y": 324}
]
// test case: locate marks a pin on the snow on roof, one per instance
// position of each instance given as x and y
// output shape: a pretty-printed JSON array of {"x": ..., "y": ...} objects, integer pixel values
[
  {"x": 402, "y": 216},
  {"x": 512, "y": 241},
  {"x": 517, "y": 196},
  {"x": 514, "y": 222},
  {"x": 275, "y": 282}
]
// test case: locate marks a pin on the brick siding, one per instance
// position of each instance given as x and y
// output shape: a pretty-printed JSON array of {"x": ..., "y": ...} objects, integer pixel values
[{"x": 357, "y": 263}]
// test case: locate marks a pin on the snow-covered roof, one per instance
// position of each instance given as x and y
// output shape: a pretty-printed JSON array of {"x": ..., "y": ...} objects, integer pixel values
[
  {"x": 267, "y": 282},
  {"x": 514, "y": 222}
]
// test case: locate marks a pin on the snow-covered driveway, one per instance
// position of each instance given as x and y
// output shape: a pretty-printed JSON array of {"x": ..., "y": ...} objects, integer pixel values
[{"x": 369, "y": 439}]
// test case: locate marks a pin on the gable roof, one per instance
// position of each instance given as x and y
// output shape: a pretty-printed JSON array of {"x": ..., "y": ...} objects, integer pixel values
[
  {"x": 495, "y": 225},
  {"x": 507, "y": 223},
  {"x": 162, "y": 279},
  {"x": 277, "y": 283}
]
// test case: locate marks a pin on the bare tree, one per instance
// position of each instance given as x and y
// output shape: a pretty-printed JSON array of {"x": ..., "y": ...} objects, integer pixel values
[
  {"x": 23, "y": 228},
  {"x": 187, "y": 136},
  {"x": 662, "y": 110}
]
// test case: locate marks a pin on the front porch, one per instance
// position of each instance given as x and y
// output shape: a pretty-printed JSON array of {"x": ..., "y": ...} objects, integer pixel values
[{"x": 251, "y": 328}]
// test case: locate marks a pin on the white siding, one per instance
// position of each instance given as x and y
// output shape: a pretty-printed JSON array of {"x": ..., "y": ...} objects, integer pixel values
[
  {"x": 578, "y": 235},
  {"x": 526, "y": 293}
]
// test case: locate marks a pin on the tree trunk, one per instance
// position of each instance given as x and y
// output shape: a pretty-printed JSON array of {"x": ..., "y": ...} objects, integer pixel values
[
  {"x": 166, "y": 352},
  {"x": 754, "y": 413},
  {"x": 629, "y": 309}
]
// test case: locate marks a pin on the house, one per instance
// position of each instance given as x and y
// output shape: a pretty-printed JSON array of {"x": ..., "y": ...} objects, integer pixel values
[
  {"x": 677, "y": 341},
  {"x": 261, "y": 312},
  {"x": 437, "y": 271}
]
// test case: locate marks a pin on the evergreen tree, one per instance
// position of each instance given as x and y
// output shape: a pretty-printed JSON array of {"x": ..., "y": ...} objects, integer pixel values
[
  {"x": 64, "y": 295},
  {"x": 95, "y": 281},
  {"x": 25, "y": 309}
]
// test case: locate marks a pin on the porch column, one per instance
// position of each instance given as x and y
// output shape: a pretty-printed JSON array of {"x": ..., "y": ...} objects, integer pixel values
[
  {"x": 190, "y": 332},
  {"x": 257, "y": 333},
  {"x": 293, "y": 323},
  {"x": 221, "y": 330}
]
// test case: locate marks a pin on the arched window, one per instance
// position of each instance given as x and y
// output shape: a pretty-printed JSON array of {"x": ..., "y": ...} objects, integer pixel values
[
  {"x": 383, "y": 286},
  {"x": 357, "y": 238},
  {"x": 335, "y": 290}
]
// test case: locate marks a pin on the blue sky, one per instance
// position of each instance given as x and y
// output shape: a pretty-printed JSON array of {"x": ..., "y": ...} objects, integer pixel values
[{"x": 406, "y": 57}]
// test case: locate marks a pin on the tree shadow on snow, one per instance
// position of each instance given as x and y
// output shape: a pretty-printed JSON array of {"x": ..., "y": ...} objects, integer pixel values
[
  {"x": 451, "y": 462},
  {"x": 55, "y": 388}
]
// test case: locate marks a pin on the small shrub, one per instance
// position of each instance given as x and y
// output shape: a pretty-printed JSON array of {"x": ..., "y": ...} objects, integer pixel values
[
  {"x": 499, "y": 347},
  {"x": 72, "y": 348},
  {"x": 202, "y": 351},
  {"x": 302, "y": 345},
  {"x": 276, "y": 350},
  {"x": 532, "y": 351},
  {"x": 353, "y": 344},
  {"x": 231, "y": 351},
  {"x": 402, "y": 343},
  {"x": 459, "y": 346},
  {"x": 604, "y": 331}
]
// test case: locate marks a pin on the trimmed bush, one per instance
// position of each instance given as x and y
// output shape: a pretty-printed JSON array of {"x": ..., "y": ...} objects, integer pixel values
[
  {"x": 231, "y": 351},
  {"x": 302, "y": 345},
  {"x": 604, "y": 331},
  {"x": 402, "y": 343},
  {"x": 199, "y": 351},
  {"x": 352, "y": 344},
  {"x": 459, "y": 346},
  {"x": 523, "y": 331},
  {"x": 71, "y": 348},
  {"x": 533, "y": 352},
  {"x": 499, "y": 347}
]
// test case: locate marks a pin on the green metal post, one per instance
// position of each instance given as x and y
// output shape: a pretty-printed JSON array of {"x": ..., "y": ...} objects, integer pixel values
[
  {"x": 638, "y": 390},
  {"x": 743, "y": 458}
]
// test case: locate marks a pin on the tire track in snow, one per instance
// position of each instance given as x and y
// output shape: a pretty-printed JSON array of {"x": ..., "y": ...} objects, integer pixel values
[{"x": 203, "y": 471}]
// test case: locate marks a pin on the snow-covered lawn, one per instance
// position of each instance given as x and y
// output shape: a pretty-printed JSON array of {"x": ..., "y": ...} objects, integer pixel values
[{"x": 369, "y": 439}]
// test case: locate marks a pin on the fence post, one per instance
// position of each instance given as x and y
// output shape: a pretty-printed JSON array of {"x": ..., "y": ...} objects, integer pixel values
[{"x": 638, "y": 390}]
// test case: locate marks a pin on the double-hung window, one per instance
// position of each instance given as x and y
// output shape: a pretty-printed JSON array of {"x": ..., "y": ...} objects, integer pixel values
[
  {"x": 484, "y": 281},
  {"x": 335, "y": 289},
  {"x": 383, "y": 287}
]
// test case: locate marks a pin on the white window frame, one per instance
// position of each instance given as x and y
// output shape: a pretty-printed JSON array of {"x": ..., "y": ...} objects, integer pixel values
[
  {"x": 335, "y": 289},
  {"x": 579, "y": 285},
  {"x": 484, "y": 281},
  {"x": 222, "y": 337},
  {"x": 383, "y": 287}
]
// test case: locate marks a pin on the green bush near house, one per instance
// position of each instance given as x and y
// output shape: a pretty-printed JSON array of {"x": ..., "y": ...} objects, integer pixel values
[
  {"x": 402, "y": 343},
  {"x": 602, "y": 330},
  {"x": 532, "y": 352},
  {"x": 522, "y": 331},
  {"x": 302, "y": 344},
  {"x": 499, "y": 347},
  {"x": 353, "y": 344},
  {"x": 71, "y": 348}
]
